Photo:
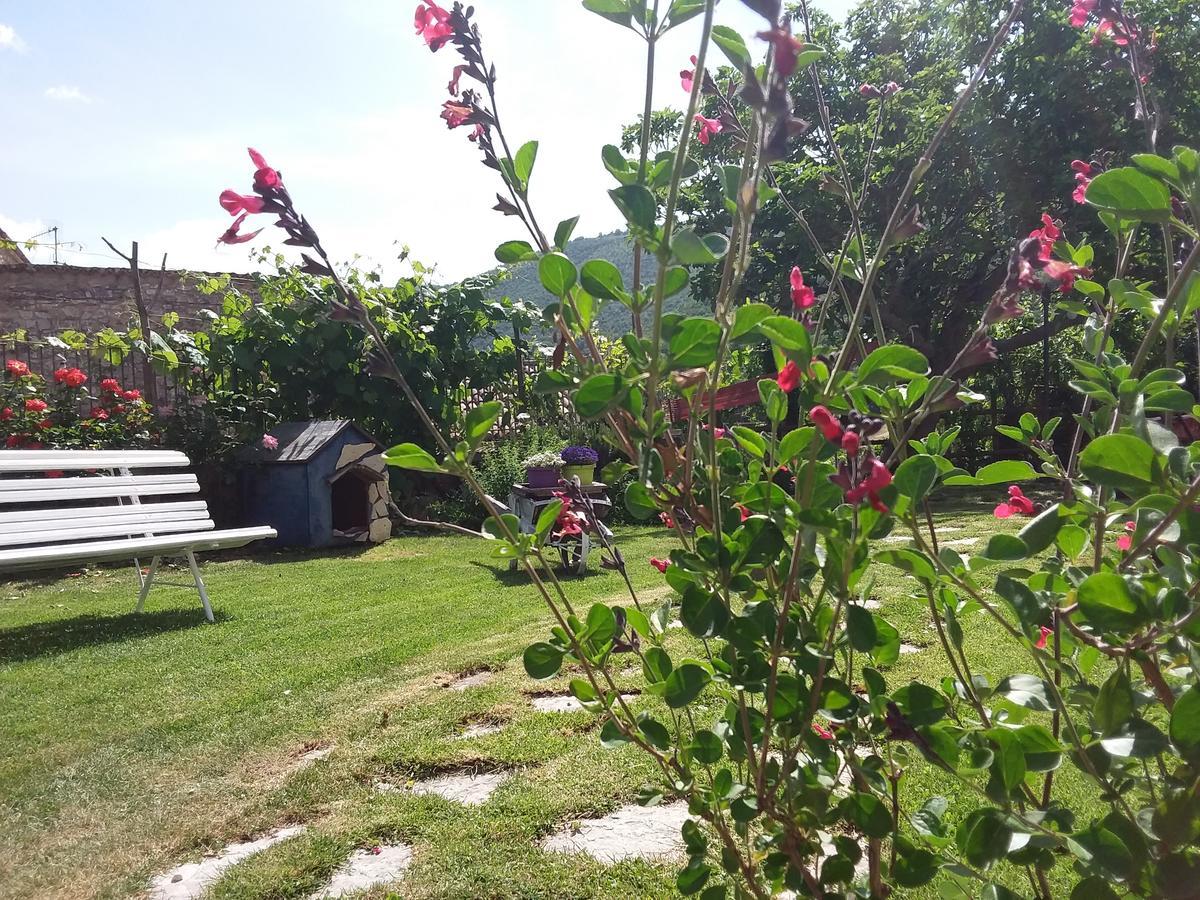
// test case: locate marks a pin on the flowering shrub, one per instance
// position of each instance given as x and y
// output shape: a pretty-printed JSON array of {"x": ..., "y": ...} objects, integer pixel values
[
  {"x": 783, "y": 732},
  {"x": 580, "y": 456},
  {"x": 36, "y": 413}
]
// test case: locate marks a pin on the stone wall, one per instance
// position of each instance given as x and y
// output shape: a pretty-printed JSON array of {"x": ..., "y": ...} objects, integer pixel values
[{"x": 48, "y": 299}]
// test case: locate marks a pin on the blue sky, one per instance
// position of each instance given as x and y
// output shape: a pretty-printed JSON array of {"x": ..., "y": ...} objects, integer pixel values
[{"x": 126, "y": 119}]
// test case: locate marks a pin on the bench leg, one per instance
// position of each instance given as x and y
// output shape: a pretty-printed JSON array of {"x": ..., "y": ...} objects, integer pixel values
[
  {"x": 146, "y": 580},
  {"x": 191, "y": 558}
]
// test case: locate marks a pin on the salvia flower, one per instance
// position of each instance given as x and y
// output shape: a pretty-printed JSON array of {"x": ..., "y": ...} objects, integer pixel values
[
  {"x": 1017, "y": 503},
  {"x": 787, "y": 49},
  {"x": 823, "y": 733},
  {"x": 1084, "y": 172},
  {"x": 891, "y": 88},
  {"x": 661, "y": 564},
  {"x": 850, "y": 442},
  {"x": 687, "y": 77},
  {"x": 708, "y": 128},
  {"x": 455, "y": 113},
  {"x": 1125, "y": 541},
  {"x": 265, "y": 178},
  {"x": 788, "y": 378},
  {"x": 455, "y": 75},
  {"x": 231, "y": 234},
  {"x": 234, "y": 203},
  {"x": 1081, "y": 11},
  {"x": 827, "y": 422},
  {"x": 433, "y": 25},
  {"x": 877, "y": 477},
  {"x": 803, "y": 296}
]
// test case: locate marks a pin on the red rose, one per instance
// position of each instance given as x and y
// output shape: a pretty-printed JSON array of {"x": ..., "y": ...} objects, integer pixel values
[{"x": 33, "y": 404}]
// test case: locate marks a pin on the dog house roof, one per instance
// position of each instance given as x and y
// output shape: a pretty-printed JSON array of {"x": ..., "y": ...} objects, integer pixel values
[{"x": 301, "y": 441}]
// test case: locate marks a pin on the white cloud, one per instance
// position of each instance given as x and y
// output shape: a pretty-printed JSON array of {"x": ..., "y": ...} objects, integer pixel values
[
  {"x": 67, "y": 93},
  {"x": 9, "y": 39}
]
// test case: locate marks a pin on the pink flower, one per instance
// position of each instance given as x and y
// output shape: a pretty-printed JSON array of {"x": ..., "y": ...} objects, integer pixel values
[
  {"x": 787, "y": 49},
  {"x": 789, "y": 377},
  {"x": 708, "y": 127},
  {"x": 433, "y": 25},
  {"x": 891, "y": 88},
  {"x": 1041, "y": 641},
  {"x": 231, "y": 236},
  {"x": 455, "y": 114},
  {"x": 265, "y": 178},
  {"x": 111, "y": 384},
  {"x": 688, "y": 76},
  {"x": 1083, "y": 177},
  {"x": 869, "y": 91},
  {"x": 16, "y": 368},
  {"x": 660, "y": 564},
  {"x": 1003, "y": 511},
  {"x": 1018, "y": 501},
  {"x": 850, "y": 442},
  {"x": 877, "y": 478},
  {"x": 452, "y": 87},
  {"x": 743, "y": 511},
  {"x": 802, "y": 295},
  {"x": 1125, "y": 541},
  {"x": 6, "y": 414},
  {"x": 823, "y": 733},
  {"x": 477, "y": 132},
  {"x": 666, "y": 520},
  {"x": 134, "y": 394},
  {"x": 270, "y": 442},
  {"x": 827, "y": 422},
  {"x": 236, "y": 203},
  {"x": 1081, "y": 11}
]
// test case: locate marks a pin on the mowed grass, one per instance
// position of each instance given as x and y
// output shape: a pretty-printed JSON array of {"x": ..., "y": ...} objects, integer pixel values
[{"x": 133, "y": 743}]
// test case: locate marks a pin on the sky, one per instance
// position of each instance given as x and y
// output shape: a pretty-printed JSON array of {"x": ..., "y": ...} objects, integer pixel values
[{"x": 126, "y": 119}]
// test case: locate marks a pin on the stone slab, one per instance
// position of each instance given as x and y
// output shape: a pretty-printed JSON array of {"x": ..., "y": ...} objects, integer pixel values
[
  {"x": 191, "y": 880},
  {"x": 631, "y": 832},
  {"x": 367, "y": 868}
]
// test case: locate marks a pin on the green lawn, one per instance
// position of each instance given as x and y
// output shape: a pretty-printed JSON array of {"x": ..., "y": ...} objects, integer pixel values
[{"x": 135, "y": 742}]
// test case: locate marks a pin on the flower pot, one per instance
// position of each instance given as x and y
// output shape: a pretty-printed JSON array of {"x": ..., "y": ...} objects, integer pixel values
[
  {"x": 586, "y": 473},
  {"x": 541, "y": 476}
]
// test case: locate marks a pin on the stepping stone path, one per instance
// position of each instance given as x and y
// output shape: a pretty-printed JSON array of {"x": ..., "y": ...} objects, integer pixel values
[
  {"x": 641, "y": 832},
  {"x": 367, "y": 868},
  {"x": 906, "y": 649},
  {"x": 479, "y": 729},
  {"x": 191, "y": 880},
  {"x": 475, "y": 679},
  {"x": 564, "y": 702},
  {"x": 311, "y": 756},
  {"x": 470, "y": 790}
]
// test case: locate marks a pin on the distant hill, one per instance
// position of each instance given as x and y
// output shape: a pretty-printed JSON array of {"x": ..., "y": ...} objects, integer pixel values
[{"x": 523, "y": 283}]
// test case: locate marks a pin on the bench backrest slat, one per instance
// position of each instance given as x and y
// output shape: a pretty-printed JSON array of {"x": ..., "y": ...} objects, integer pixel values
[
  {"x": 74, "y": 460},
  {"x": 104, "y": 495},
  {"x": 52, "y": 490}
]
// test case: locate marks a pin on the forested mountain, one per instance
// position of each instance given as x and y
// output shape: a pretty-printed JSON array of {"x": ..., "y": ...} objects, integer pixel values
[{"x": 522, "y": 282}]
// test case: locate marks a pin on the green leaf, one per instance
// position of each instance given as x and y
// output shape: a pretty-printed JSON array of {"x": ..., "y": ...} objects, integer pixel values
[
  {"x": 787, "y": 333},
  {"x": 733, "y": 46},
  {"x": 868, "y": 813},
  {"x": 546, "y": 519},
  {"x": 685, "y": 683},
  {"x": 1114, "y": 704},
  {"x": 795, "y": 442},
  {"x": 598, "y": 395},
  {"x": 638, "y": 206},
  {"x": 894, "y": 362},
  {"x": 1120, "y": 461},
  {"x": 1005, "y": 548},
  {"x": 611, "y": 736},
  {"x": 1040, "y": 533},
  {"x": 915, "y": 476},
  {"x": 750, "y": 440},
  {"x": 695, "y": 342},
  {"x": 691, "y": 878},
  {"x": 1138, "y": 738},
  {"x": 860, "y": 628},
  {"x": 562, "y": 234},
  {"x": 983, "y": 837},
  {"x": 1042, "y": 752},
  {"x": 656, "y": 665},
  {"x": 1185, "y": 724},
  {"x": 410, "y": 456},
  {"x": 747, "y": 317},
  {"x": 838, "y": 702},
  {"x": 690, "y": 249},
  {"x": 602, "y": 279},
  {"x": 515, "y": 251},
  {"x": 480, "y": 421},
  {"x": 1131, "y": 194},
  {"x": 557, "y": 274},
  {"x": 614, "y": 10},
  {"x": 542, "y": 660},
  {"x": 921, "y": 704},
  {"x": 674, "y": 281},
  {"x": 523, "y": 163},
  {"x": 703, "y": 612},
  {"x": 1002, "y": 472},
  {"x": 1026, "y": 690},
  {"x": 1008, "y": 760},
  {"x": 706, "y": 748},
  {"x": 1107, "y": 602},
  {"x": 809, "y": 55}
]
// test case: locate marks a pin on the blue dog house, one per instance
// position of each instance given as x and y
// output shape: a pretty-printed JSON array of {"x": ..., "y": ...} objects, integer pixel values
[{"x": 325, "y": 484}]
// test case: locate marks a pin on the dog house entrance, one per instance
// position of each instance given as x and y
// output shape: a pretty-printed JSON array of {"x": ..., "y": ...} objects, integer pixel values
[{"x": 351, "y": 502}]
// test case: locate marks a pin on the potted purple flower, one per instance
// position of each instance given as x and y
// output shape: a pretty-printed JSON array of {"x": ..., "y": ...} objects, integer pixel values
[
  {"x": 580, "y": 462},
  {"x": 542, "y": 469}
]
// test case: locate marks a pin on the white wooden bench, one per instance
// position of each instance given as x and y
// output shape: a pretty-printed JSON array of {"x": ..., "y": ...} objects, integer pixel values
[{"x": 94, "y": 512}]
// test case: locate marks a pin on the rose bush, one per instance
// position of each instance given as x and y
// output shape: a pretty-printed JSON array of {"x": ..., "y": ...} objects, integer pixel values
[
  {"x": 62, "y": 412},
  {"x": 783, "y": 732}
]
